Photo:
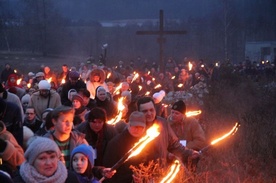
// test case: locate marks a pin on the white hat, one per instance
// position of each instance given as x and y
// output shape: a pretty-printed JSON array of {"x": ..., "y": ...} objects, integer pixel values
[
  {"x": 158, "y": 97},
  {"x": 44, "y": 85}
]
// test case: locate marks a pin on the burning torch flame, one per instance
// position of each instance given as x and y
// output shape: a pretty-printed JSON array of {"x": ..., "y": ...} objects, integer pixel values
[
  {"x": 173, "y": 77},
  {"x": 152, "y": 133},
  {"x": 190, "y": 66},
  {"x": 180, "y": 85},
  {"x": 140, "y": 87},
  {"x": 172, "y": 173},
  {"x": 49, "y": 80},
  {"x": 117, "y": 88},
  {"x": 121, "y": 107},
  {"x": 18, "y": 81},
  {"x": 157, "y": 86},
  {"x": 29, "y": 85},
  {"x": 63, "y": 81},
  {"x": 147, "y": 93},
  {"x": 15, "y": 71},
  {"x": 231, "y": 132},
  {"x": 108, "y": 75},
  {"x": 193, "y": 113},
  {"x": 135, "y": 77}
]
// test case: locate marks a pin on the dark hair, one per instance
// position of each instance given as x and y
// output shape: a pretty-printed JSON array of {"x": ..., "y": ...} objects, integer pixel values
[
  {"x": 144, "y": 100},
  {"x": 62, "y": 110},
  {"x": 48, "y": 120},
  {"x": 84, "y": 92},
  {"x": 97, "y": 113}
]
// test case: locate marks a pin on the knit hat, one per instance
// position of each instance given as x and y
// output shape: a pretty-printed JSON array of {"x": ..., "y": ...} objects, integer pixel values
[
  {"x": 137, "y": 118},
  {"x": 159, "y": 96},
  {"x": 39, "y": 74},
  {"x": 86, "y": 150},
  {"x": 179, "y": 106},
  {"x": 26, "y": 98},
  {"x": 74, "y": 75},
  {"x": 31, "y": 74},
  {"x": 39, "y": 145},
  {"x": 44, "y": 85},
  {"x": 77, "y": 97}
]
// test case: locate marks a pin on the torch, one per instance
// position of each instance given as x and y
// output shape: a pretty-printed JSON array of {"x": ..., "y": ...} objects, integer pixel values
[
  {"x": 151, "y": 134},
  {"x": 231, "y": 132},
  {"x": 174, "y": 169}
]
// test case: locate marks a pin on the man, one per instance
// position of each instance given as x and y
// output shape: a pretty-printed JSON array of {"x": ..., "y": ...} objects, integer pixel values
[
  {"x": 6, "y": 72},
  {"x": 121, "y": 144},
  {"x": 166, "y": 144},
  {"x": 31, "y": 120},
  {"x": 44, "y": 98},
  {"x": 64, "y": 75},
  {"x": 188, "y": 130},
  {"x": 66, "y": 139},
  {"x": 73, "y": 83}
]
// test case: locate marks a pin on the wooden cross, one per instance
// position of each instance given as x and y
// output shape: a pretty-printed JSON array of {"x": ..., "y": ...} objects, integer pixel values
[{"x": 161, "y": 38}]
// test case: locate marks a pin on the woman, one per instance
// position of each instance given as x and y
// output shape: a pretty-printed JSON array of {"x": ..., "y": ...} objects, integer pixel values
[
  {"x": 105, "y": 101},
  {"x": 80, "y": 109},
  {"x": 43, "y": 165}
]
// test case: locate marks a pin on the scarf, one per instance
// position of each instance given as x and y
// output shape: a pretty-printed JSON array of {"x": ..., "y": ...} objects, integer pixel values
[{"x": 29, "y": 174}]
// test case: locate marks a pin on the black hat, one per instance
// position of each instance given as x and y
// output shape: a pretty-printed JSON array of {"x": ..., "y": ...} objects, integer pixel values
[
  {"x": 74, "y": 75},
  {"x": 179, "y": 106}
]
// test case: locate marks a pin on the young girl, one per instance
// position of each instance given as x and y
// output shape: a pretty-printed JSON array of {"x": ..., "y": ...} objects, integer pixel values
[{"x": 82, "y": 162}]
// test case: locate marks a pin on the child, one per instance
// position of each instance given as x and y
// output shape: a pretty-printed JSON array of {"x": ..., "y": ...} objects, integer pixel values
[{"x": 82, "y": 162}]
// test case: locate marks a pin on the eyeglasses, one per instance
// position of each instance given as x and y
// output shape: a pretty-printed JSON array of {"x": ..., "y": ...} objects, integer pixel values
[{"x": 29, "y": 113}]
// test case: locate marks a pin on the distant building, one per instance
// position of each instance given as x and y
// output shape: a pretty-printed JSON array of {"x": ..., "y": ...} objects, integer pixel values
[{"x": 261, "y": 51}]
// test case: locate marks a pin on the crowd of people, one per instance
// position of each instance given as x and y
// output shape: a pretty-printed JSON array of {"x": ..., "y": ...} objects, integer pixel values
[{"x": 55, "y": 127}]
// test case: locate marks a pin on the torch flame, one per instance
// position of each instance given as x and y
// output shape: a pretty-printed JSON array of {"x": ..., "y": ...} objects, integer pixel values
[
  {"x": 63, "y": 81},
  {"x": 49, "y": 80},
  {"x": 172, "y": 173},
  {"x": 180, "y": 85},
  {"x": 29, "y": 85},
  {"x": 190, "y": 66},
  {"x": 157, "y": 86},
  {"x": 117, "y": 89},
  {"x": 18, "y": 81},
  {"x": 147, "y": 93},
  {"x": 121, "y": 107},
  {"x": 193, "y": 113},
  {"x": 135, "y": 77},
  {"x": 231, "y": 132},
  {"x": 173, "y": 77},
  {"x": 108, "y": 75},
  {"x": 152, "y": 133},
  {"x": 140, "y": 87}
]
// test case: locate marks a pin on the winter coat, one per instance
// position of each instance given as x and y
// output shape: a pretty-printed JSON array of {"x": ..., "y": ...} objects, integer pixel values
[
  {"x": 65, "y": 89},
  {"x": 108, "y": 133},
  {"x": 41, "y": 103},
  {"x": 76, "y": 138},
  {"x": 12, "y": 154},
  {"x": 190, "y": 130}
]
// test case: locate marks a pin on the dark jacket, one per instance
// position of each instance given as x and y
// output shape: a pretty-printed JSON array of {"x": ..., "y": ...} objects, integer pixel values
[
  {"x": 92, "y": 138},
  {"x": 68, "y": 86}
]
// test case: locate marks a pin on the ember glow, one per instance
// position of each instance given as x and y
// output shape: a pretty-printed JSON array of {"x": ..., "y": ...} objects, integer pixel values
[
  {"x": 174, "y": 169},
  {"x": 152, "y": 133},
  {"x": 190, "y": 66},
  {"x": 231, "y": 132},
  {"x": 18, "y": 81},
  {"x": 193, "y": 113}
]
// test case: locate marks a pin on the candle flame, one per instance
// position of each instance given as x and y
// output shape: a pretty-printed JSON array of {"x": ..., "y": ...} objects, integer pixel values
[
  {"x": 152, "y": 133},
  {"x": 190, "y": 66},
  {"x": 231, "y": 132},
  {"x": 174, "y": 169},
  {"x": 157, "y": 86},
  {"x": 193, "y": 113},
  {"x": 18, "y": 81}
]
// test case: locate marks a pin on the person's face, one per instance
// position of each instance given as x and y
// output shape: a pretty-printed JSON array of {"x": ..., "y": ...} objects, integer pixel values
[
  {"x": 46, "y": 163},
  {"x": 149, "y": 110},
  {"x": 30, "y": 114},
  {"x": 76, "y": 104},
  {"x": 85, "y": 100},
  {"x": 96, "y": 125},
  {"x": 125, "y": 87},
  {"x": 96, "y": 78},
  {"x": 46, "y": 70},
  {"x": 64, "y": 69},
  {"x": 25, "y": 104},
  {"x": 44, "y": 93},
  {"x": 102, "y": 95},
  {"x": 64, "y": 123},
  {"x": 136, "y": 131},
  {"x": 80, "y": 163},
  {"x": 176, "y": 115}
]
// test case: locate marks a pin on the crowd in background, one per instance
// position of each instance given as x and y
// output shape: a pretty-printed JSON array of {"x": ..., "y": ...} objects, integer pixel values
[{"x": 31, "y": 104}]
